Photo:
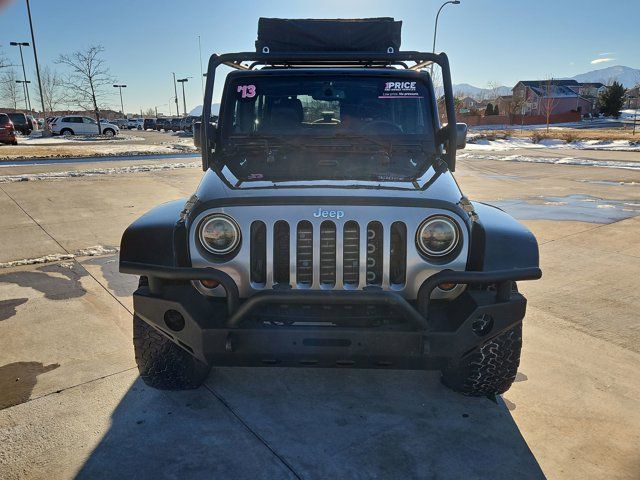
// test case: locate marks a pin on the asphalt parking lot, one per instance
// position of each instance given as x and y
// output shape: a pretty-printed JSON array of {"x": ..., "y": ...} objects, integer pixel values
[{"x": 72, "y": 404}]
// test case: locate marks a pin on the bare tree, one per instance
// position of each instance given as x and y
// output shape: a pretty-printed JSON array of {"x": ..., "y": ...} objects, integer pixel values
[
  {"x": 150, "y": 112},
  {"x": 549, "y": 100},
  {"x": 52, "y": 89},
  {"x": 88, "y": 79},
  {"x": 494, "y": 86},
  {"x": 9, "y": 89}
]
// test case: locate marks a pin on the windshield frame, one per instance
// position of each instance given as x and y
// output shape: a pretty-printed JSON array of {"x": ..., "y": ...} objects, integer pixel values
[{"x": 225, "y": 137}]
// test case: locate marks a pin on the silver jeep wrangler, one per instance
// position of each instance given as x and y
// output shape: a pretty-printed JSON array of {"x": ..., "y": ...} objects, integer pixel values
[{"x": 328, "y": 229}]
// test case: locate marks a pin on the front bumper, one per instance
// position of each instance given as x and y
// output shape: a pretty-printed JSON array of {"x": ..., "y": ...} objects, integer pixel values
[{"x": 222, "y": 331}]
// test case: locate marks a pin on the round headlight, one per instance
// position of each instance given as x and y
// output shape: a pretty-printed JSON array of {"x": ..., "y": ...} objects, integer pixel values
[
  {"x": 437, "y": 236},
  {"x": 219, "y": 234}
]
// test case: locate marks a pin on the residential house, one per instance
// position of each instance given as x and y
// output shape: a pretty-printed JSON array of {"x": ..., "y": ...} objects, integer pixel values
[
  {"x": 632, "y": 97},
  {"x": 591, "y": 91},
  {"x": 539, "y": 97},
  {"x": 469, "y": 103}
]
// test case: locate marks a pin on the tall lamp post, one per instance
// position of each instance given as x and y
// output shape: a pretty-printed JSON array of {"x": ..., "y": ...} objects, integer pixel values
[
  {"x": 120, "y": 87},
  {"x": 47, "y": 128},
  {"x": 175, "y": 92},
  {"x": 24, "y": 72},
  {"x": 24, "y": 87},
  {"x": 435, "y": 28},
  {"x": 184, "y": 100}
]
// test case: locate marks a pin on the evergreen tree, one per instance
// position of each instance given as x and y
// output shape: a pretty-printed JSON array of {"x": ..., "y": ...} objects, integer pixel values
[
  {"x": 610, "y": 101},
  {"x": 496, "y": 111},
  {"x": 489, "y": 110}
]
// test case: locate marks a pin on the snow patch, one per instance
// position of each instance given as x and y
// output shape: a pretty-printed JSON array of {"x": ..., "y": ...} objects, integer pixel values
[
  {"x": 57, "y": 257},
  {"x": 27, "y": 177},
  {"x": 585, "y": 162}
]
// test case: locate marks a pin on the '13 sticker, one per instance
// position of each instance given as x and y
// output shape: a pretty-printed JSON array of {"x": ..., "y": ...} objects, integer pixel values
[{"x": 248, "y": 91}]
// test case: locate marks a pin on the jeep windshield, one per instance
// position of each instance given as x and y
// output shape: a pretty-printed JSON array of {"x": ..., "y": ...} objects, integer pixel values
[{"x": 327, "y": 127}]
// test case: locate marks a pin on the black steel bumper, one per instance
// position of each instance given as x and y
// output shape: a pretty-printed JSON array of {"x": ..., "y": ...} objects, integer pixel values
[{"x": 224, "y": 331}]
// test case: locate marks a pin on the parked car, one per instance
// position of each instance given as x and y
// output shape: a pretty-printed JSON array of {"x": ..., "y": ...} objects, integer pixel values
[
  {"x": 21, "y": 123},
  {"x": 121, "y": 123},
  {"x": 162, "y": 123},
  {"x": 76, "y": 125},
  {"x": 174, "y": 125},
  {"x": 33, "y": 123},
  {"x": 135, "y": 123},
  {"x": 339, "y": 254},
  {"x": 7, "y": 130},
  {"x": 186, "y": 123},
  {"x": 149, "y": 123}
]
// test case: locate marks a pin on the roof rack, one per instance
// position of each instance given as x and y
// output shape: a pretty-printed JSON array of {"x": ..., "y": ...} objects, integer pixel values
[{"x": 410, "y": 60}]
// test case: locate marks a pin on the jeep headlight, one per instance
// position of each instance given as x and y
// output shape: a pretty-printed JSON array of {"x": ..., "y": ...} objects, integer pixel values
[
  {"x": 437, "y": 236},
  {"x": 219, "y": 234}
]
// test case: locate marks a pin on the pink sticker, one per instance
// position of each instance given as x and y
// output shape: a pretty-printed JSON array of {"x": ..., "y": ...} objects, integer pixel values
[{"x": 248, "y": 91}]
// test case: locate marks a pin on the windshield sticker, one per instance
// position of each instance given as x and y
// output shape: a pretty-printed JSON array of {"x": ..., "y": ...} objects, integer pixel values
[
  {"x": 247, "y": 91},
  {"x": 400, "y": 90}
]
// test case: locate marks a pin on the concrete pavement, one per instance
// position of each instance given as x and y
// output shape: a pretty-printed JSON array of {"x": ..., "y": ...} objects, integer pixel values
[{"x": 74, "y": 406}]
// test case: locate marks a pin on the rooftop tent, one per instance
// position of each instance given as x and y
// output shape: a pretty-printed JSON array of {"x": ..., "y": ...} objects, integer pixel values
[{"x": 380, "y": 35}]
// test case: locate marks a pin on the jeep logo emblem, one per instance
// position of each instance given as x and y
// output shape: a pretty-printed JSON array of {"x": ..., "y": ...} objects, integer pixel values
[{"x": 338, "y": 214}]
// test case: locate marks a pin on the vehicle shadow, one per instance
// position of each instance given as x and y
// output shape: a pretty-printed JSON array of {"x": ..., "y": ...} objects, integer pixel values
[{"x": 313, "y": 424}]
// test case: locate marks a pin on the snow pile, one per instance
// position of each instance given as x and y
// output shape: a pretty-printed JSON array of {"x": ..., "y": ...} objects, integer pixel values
[
  {"x": 57, "y": 257},
  {"x": 26, "y": 177},
  {"x": 586, "y": 162},
  {"x": 514, "y": 143}
]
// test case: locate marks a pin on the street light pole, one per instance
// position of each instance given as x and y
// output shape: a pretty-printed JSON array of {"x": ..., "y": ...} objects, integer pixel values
[
  {"x": 201, "y": 74},
  {"x": 24, "y": 86},
  {"x": 435, "y": 28},
  {"x": 47, "y": 129},
  {"x": 184, "y": 101},
  {"x": 120, "y": 87},
  {"x": 175, "y": 91},
  {"x": 24, "y": 72}
]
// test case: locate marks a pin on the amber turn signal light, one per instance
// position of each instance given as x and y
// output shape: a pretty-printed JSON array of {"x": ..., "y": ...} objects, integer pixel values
[
  {"x": 447, "y": 286},
  {"x": 209, "y": 283}
]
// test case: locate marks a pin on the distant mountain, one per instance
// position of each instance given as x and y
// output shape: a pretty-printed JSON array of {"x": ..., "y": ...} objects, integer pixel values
[
  {"x": 476, "y": 92},
  {"x": 197, "y": 111},
  {"x": 627, "y": 76}
]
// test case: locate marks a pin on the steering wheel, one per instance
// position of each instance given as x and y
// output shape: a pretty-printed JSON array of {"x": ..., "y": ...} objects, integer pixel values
[{"x": 381, "y": 127}]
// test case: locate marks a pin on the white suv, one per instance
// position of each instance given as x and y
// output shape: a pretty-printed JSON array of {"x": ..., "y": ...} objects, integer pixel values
[
  {"x": 74, "y": 125},
  {"x": 135, "y": 123}
]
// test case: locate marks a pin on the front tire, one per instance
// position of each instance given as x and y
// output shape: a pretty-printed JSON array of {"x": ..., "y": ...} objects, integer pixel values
[
  {"x": 161, "y": 363},
  {"x": 487, "y": 370}
]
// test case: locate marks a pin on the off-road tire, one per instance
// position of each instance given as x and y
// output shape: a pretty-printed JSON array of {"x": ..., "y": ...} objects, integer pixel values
[
  {"x": 161, "y": 363},
  {"x": 488, "y": 370}
]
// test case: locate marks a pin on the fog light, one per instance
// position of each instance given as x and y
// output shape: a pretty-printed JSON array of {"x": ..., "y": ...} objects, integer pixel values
[
  {"x": 209, "y": 283},
  {"x": 174, "y": 320},
  {"x": 447, "y": 286}
]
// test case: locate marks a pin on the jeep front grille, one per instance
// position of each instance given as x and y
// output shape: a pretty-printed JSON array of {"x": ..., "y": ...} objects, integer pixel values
[
  {"x": 317, "y": 254},
  {"x": 304, "y": 247}
]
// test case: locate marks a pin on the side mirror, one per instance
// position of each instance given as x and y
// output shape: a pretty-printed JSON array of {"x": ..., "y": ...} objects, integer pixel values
[
  {"x": 461, "y": 135},
  {"x": 442, "y": 137},
  {"x": 197, "y": 139}
]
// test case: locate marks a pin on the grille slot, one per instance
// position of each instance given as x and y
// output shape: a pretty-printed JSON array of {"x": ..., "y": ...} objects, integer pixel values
[
  {"x": 398, "y": 254},
  {"x": 304, "y": 254},
  {"x": 328, "y": 253},
  {"x": 351, "y": 254},
  {"x": 374, "y": 253},
  {"x": 281, "y": 253},
  {"x": 258, "y": 253}
]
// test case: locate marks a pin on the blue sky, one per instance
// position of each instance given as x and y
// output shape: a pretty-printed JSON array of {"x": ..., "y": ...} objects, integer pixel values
[{"x": 487, "y": 40}]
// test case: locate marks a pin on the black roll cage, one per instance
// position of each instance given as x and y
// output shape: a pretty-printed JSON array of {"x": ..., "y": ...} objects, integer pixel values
[{"x": 252, "y": 60}]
